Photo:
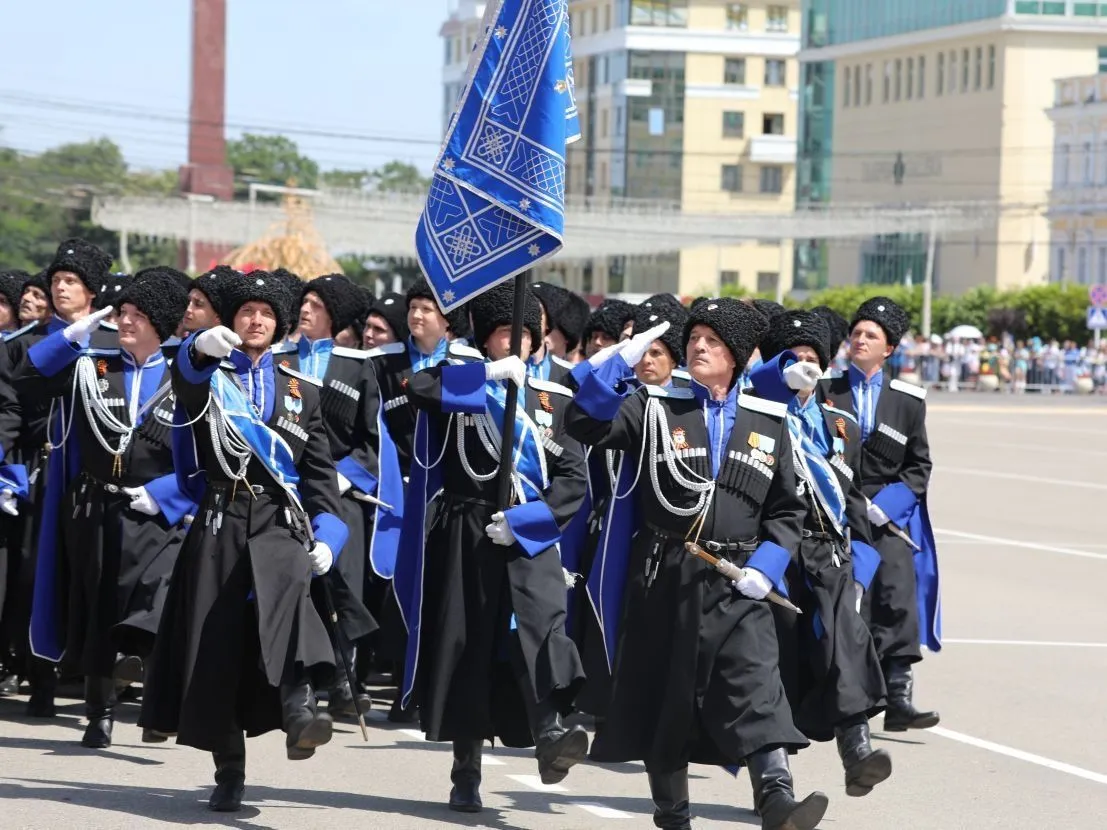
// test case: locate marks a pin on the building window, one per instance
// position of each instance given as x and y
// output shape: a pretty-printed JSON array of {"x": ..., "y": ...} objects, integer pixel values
[
  {"x": 774, "y": 72},
  {"x": 992, "y": 67},
  {"x": 868, "y": 84},
  {"x": 1103, "y": 163},
  {"x": 1102, "y": 54},
  {"x": 595, "y": 20},
  {"x": 940, "y": 79},
  {"x": 766, "y": 282},
  {"x": 953, "y": 71},
  {"x": 728, "y": 278},
  {"x": 1089, "y": 164},
  {"x": 657, "y": 13},
  {"x": 772, "y": 123},
  {"x": 734, "y": 124},
  {"x": 910, "y": 78},
  {"x": 1082, "y": 265},
  {"x": 964, "y": 70},
  {"x": 737, "y": 16},
  {"x": 586, "y": 278},
  {"x": 776, "y": 19},
  {"x": 734, "y": 71},
  {"x": 606, "y": 28},
  {"x": 732, "y": 178},
  {"x": 1059, "y": 271},
  {"x": 887, "y": 80},
  {"x": 857, "y": 86},
  {"x": 603, "y": 123},
  {"x": 618, "y": 121},
  {"x": 846, "y": 88},
  {"x": 772, "y": 179},
  {"x": 1061, "y": 173},
  {"x": 922, "y": 77},
  {"x": 1101, "y": 265},
  {"x": 978, "y": 68}
]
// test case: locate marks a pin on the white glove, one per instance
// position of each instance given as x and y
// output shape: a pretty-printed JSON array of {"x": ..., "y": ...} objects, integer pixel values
[
  {"x": 218, "y": 342},
  {"x": 635, "y": 349},
  {"x": 78, "y": 332},
  {"x": 510, "y": 367},
  {"x": 499, "y": 531},
  {"x": 859, "y": 589},
  {"x": 877, "y": 516},
  {"x": 8, "y": 502},
  {"x": 344, "y": 485},
  {"x": 321, "y": 558},
  {"x": 606, "y": 353},
  {"x": 142, "y": 501},
  {"x": 802, "y": 377},
  {"x": 753, "y": 584}
]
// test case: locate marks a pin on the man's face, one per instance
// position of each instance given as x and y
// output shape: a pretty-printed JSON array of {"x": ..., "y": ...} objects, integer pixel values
[
  {"x": 377, "y": 332},
  {"x": 656, "y": 368},
  {"x": 425, "y": 321},
  {"x": 556, "y": 343},
  {"x": 33, "y": 305},
  {"x": 200, "y": 313},
  {"x": 598, "y": 340},
  {"x": 315, "y": 321},
  {"x": 136, "y": 332},
  {"x": 70, "y": 295},
  {"x": 805, "y": 354},
  {"x": 256, "y": 324},
  {"x": 709, "y": 360},
  {"x": 868, "y": 345},
  {"x": 498, "y": 344}
]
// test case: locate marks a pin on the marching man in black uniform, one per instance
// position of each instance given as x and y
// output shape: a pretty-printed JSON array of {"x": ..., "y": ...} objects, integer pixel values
[
  {"x": 903, "y": 606},
  {"x": 122, "y": 515},
  {"x": 241, "y": 647},
  {"x": 695, "y": 675},
  {"x": 484, "y": 597},
  {"x": 828, "y": 662}
]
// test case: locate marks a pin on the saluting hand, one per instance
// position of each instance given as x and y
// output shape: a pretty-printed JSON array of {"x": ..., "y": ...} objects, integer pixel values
[
  {"x": 635, "y": 349},
  {"x": 78, "y": 332}
]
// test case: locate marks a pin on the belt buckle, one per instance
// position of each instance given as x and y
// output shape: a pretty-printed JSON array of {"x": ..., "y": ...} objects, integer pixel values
[
  {"x": 714, "y": 547},
  {"x": 111, "y": 488},
  {"x": 257, "y": 489}
]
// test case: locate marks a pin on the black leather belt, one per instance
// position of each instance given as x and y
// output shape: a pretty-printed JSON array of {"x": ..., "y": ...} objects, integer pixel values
[
  {"x": 708, "y": 545},
  {"x": 818, "y": 534}
]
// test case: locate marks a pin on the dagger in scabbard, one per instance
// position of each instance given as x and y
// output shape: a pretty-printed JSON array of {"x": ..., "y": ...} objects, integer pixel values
[{"x": 734, "y": 573}]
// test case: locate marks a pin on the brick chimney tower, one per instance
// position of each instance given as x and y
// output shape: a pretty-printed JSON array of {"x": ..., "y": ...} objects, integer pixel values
[{"x": 207, "y": 171}]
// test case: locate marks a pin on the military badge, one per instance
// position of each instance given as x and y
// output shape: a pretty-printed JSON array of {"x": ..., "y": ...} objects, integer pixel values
[
  {"x": 680, "y": 441},
  {"x": 294, "y": 388},
  {"x": 403, "y": 383},
  {"x": 544, "y": 400},
  {"x": 286, "y": 364},
  {"x": 762, "y": 442},
  {"x": 840, "y": 425},
  {"x": 101, "y": 367},
  {"x": 102, "y": 385},
  {"x": 543, "y": 419}
]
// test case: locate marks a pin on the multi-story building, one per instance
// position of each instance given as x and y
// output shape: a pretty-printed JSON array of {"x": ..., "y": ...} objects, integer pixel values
[
  {"x": 931, "y": 103},
  {"x": 685, "y": 102}
]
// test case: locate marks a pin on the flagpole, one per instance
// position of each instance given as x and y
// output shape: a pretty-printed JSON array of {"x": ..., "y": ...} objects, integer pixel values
[{"x": 507, "y": 442}]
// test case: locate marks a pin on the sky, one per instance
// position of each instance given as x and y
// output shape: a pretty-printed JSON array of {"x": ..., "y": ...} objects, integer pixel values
[{"x": 356, "y": 83}]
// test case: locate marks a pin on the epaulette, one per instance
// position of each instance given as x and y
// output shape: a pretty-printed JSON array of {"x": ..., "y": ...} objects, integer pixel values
[
  {"x": 461, "y": 350},
  {"x": 284, "y": 348},
  {"x": 306, "y": 378},
  {"x": 662, "y": 392},
  {"x": 548, "y": 386},
  {"x": 353, "y": 354},
  {"x": 21, "y": 332},
  {"x": 829, "y": 407},
  {"x": 387, "y": 348},
  {"x": 172, "y": 342},
  {"x": 682, "y": 374},
  {"x": 762, "y": 405},
  {"x": 908, "y": 389},
  {"x": 104, "y": 324},
  {"x": 560, "y": 361}
]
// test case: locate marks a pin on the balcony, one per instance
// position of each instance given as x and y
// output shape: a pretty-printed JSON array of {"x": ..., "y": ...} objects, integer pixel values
[
  {"x": 1073, "y": 92},
  {"x": 773, "y": 149}
]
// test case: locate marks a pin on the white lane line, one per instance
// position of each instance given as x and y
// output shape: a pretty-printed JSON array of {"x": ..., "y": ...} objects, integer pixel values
[
  {"x": 486, "y": 759},
  {"x": 491, "y": 761},
  {"x": 1016, "y": 543},
  {"x": 535, "y": 783},
  {"x": 1029, "y": 757},
  {"x": 600, "y": 811},
  {"x": 1024, "y": 447},
  {"x": 413, "y": 733},
  {"x": 1042, "y": 643},
  {"x": 1060, "y": 482},
  {"x": 1014, "y": 425}
]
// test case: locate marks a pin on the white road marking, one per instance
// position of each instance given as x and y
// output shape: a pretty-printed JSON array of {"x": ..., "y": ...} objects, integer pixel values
[
  {"x": 1029, "y": 757},
  {"x": 1016, "y": 543},
  {"x": 1013, "y": 425},
  {"x": 1042, "y": 643},
  {"x": 1026, "y": 447},
  {"x": 486, "y": 759},
  {"x": 413, "y": 733},
  {"x": 535, "y": 783},
  {"x": 1060, "y": 482},
  {"x": 600, "y": 811}
]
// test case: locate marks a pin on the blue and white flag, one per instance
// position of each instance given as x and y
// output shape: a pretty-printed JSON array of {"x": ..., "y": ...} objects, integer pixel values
[{"x": 496, "y": 205}]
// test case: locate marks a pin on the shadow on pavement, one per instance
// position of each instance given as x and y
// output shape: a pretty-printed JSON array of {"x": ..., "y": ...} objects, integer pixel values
[{"x": 72, "y": 749}]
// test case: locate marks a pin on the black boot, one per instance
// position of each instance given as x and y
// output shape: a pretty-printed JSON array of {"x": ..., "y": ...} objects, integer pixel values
[
  {"x": 9, "y": 685},
  {"x": 230, "y": 777},
  {"x": 901, "y": 713},
  {"x": 128, "y": 670},
  {"x": 669, "y": 791},
  {"x": 557, "y": 749},
  {"x": 773, "y": 796},
  {"x": 341, "y": 701},
  {"x": 43, "y": 678},
  {"x": 305, "y": 728},
  {"x": 865, "y": 767},
  {"x": 100, "y": 711},
  {"x": 465, "y": 793}
]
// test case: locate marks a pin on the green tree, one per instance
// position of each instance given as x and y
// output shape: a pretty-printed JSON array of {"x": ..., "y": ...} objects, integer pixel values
[
  {"x": 271, "y": 159},
  {"x": 398, "y": 176}
]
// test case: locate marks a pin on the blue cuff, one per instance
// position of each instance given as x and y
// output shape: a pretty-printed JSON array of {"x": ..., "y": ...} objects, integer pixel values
[
  {"x": 361, "y": 478},
  {"x": 14, "y": 477},
  {"x": 772, "y": 560},
  {"x": 596, "y": 396},
  {"x": 866, "y": 560},
  {"x": 579, "y": 372},
  {"x": 463, "y": 388},
  {"x": 52, "y": 354},
  {"x": 174, "y": 504},
  {"x": 897, "y": 501},
  {"x": 534, "y": 527},
  {"x": 331, "y": 531},
  {"x": 192, "y": 374},
  {"x": 768, "y": 381}
]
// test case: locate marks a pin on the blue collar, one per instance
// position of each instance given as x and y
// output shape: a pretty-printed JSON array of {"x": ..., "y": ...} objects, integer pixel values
[
  {"x": 153, "y": 360},
  {"x": 857, "y": 377},
  {"x": 242, "y": 362},
  {"x": 703, "y": 396}
]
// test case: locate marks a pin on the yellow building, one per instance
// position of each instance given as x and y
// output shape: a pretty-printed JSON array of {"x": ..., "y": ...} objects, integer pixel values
[
  {"x": 687, "y": 102},
  {"x": 928, "y": 103}
]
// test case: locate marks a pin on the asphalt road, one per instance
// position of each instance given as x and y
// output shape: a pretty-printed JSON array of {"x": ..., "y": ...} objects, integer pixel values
[{"x": 1019, "y": 503}]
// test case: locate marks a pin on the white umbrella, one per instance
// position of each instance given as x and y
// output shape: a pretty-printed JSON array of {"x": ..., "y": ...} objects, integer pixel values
[{"x": 966, "y": 332}]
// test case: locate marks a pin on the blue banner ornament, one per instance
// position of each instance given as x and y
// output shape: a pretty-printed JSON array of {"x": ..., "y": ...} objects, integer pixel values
[{"x": 496, "y": 205}]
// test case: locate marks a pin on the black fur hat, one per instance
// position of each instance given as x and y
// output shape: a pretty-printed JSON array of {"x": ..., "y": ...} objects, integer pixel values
[
  {"x": 610, "y": 318},
  {"x": 11, "y": 287},
  {"x": 42, "y": 282},
  {"x": 257, "y": 286},
  {"x": 85, "y": 260},
  {"x": 797, "y": 328},
  {"x": 111, "y": 290},
  {"x": 496, "y": 306},
  {"x": 183, "y": 279},
  {"x": 212, "y": 283},
  {"x": 739, "y": 325},
  {"x": 768, "y": 308},
  {"x": 886, "y": 314},
  {"x": 420, "y": 288},
  {"x": 649, "y": 315},
  {"x": 293, "y": 287},
  {"x": 393, "y": 308},
  {"x": 837, "y": 326},
  {"x": 666, "y": 301},
  {"x": 157, "y": 293},
  {"x": 458, "y": 321},
  {"x": 344, "y": 302}
]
